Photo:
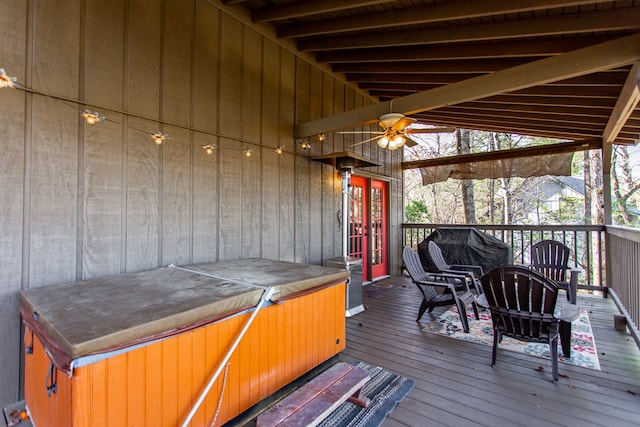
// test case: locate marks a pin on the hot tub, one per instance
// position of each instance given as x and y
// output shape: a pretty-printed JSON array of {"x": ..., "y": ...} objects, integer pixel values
[{"x": 138, "y": 349}]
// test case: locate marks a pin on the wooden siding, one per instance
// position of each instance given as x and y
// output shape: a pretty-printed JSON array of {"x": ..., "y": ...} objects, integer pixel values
[{"x": 83, "y": 201}]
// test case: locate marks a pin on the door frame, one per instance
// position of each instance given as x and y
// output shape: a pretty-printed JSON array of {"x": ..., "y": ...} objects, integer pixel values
[{"x": 367, "y": 267}]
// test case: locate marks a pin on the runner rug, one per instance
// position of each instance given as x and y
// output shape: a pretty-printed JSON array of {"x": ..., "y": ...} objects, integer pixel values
[
  {"x": 583, "y": 347},
  {"x": 385, "y": 390}
]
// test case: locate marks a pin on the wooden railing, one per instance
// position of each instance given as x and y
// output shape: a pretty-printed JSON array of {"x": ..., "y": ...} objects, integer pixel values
[
  {"x": 624, "y": 250},
  {"x": 585, "y": 241}
]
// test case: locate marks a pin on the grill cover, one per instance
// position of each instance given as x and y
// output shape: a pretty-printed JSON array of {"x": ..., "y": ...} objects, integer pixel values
[{"x": 466, "y": 246}]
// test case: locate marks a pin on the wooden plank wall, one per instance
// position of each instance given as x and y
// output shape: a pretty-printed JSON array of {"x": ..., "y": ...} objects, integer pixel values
[{"x": 82, "y": 201}]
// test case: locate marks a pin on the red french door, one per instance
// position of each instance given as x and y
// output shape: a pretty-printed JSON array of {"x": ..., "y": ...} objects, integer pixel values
[
  {"x": 368, "y": 226},
  {"x": 378, "y": 229}
]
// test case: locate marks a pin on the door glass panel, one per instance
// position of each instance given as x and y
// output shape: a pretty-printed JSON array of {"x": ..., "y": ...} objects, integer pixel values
[
  {"x": 377, "y": 208},
  {"x": 357, "y": 233},
  {"x": 378, "y": 229}
]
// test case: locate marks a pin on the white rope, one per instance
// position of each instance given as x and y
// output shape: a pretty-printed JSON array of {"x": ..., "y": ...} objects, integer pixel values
[{"x": 224, "y": 384}]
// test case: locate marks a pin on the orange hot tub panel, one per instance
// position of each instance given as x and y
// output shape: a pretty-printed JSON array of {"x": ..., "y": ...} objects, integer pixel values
[{"x": 147, "y": 369}]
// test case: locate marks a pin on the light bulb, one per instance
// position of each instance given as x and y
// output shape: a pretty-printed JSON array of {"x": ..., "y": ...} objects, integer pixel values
[
  {"x": 396, "y": 142},
  {"x": 279, "y": 149},
  {"x": 383, "y": 142},
  {"x": 247, "y": 152},
  {"x": 208, "y": 148},
  {"x": 7, "y": 81},
  {"x": 91, "y": 117},
  {"x": 158, "y": 137},
  {"x": 305, "y": 145}
]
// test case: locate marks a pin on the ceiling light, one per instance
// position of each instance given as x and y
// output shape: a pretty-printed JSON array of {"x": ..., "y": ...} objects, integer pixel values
[
  {"x": 6, "y": 81},
  {"x": 396, "y": 142},
  {"x": 383, "y": 142},
  {"x": 158, "y": 137},
  {"x": 92, "y": 117},
  {"x": 209, "y": 148}
]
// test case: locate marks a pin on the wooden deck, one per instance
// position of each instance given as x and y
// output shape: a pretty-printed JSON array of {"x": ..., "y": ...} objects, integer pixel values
[{"x": 456, "y": 385}]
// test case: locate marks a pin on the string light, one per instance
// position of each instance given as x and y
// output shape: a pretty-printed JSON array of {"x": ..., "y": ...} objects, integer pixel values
[
  {"x": 6, "y": 81},
  {"x": 158, "y": 137},
  {"x": 92, "y": 117},
  {"x": 321, "y": 137},
  {"x": 305, "y": 145},
  {"x": 209, "y": 148}
]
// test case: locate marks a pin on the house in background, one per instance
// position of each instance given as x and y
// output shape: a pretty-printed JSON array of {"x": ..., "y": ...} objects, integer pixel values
[{"x": 549, "y": 196}]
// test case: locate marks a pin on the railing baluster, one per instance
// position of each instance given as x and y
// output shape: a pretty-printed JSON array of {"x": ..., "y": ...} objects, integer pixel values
[{"x": 586, "y": 241}]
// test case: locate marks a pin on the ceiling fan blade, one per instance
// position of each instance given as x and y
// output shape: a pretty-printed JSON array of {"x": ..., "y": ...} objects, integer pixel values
[
  {"x": 410, "y": 142},
  {"x": 446, "y": 129},
  {"x": 403, "y": 123},
  {"x": 367, "y": 140}
]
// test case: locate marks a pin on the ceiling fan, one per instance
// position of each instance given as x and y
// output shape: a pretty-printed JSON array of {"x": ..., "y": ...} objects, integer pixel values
[{"x": 395, "y": 131}]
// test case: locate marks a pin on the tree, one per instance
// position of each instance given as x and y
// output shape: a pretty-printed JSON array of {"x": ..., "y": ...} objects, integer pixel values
[
  {"x": 624, "y": 186},
  {"x": 463, "y": 139},
  {"x": 416, "y": 211}
]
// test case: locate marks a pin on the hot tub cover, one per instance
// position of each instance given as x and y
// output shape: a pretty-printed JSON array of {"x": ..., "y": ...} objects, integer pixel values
[
  {"x": 467, "y": 246},
  {"x": 96, "y": 315}
]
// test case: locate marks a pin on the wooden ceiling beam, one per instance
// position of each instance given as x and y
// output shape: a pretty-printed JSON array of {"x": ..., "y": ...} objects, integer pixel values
[
  {"x": 454, "y": 66},
  {"x": 627, "y": 102},
  {"x": 500, "y": 49},
  {"x": 566, "y": 147},
  {"x": 420, "y": 15},
  {"x": 551, "y": 113},
  {"x": 306, "y": 8},
  {"x": 607, "y": 77},
  {"x": 608, "y": 55},
  {"x": 597, "y": 21},
  {"x": 548, "y": 129},
  {"x": 569, "y": 126},
  {"x": 597, "y": 114},
  {"x": 543, "y": 90},
  {"x": 431, "y": 78},
  {"x": 544, "y": 102}
]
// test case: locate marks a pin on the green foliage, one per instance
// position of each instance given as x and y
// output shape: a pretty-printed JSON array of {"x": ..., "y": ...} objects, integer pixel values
[
  {"x": 570, "y": 211},
  {"x": 416, "y": 211}
]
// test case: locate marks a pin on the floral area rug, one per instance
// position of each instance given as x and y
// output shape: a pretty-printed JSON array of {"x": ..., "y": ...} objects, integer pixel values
[{"x": 583, "y": 347}]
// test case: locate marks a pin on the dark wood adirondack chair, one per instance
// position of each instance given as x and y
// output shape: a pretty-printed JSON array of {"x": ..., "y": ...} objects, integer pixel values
[
  {"x": 522, "y": 302},
  {"x": 551, "y": 258},
  {"x": 428, "y": 286},
  {"x": 471, "y": 272}
]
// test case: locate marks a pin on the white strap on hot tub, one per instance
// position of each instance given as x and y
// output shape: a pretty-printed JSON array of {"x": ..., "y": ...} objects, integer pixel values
[
  {"x": 213, "y": 276},
  {"x": 266, "y": 296}
]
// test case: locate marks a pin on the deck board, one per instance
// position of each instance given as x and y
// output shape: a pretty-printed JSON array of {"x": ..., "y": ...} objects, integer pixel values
[{"x": 456, "y": 386}]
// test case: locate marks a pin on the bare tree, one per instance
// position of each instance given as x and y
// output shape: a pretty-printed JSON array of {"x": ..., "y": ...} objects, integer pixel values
[
  {"x": 622, "y": 182},
  {"x": 597, "y": 195},
  {"x": 463, "y": 144},
  {"x": 588, "y": 187}
]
